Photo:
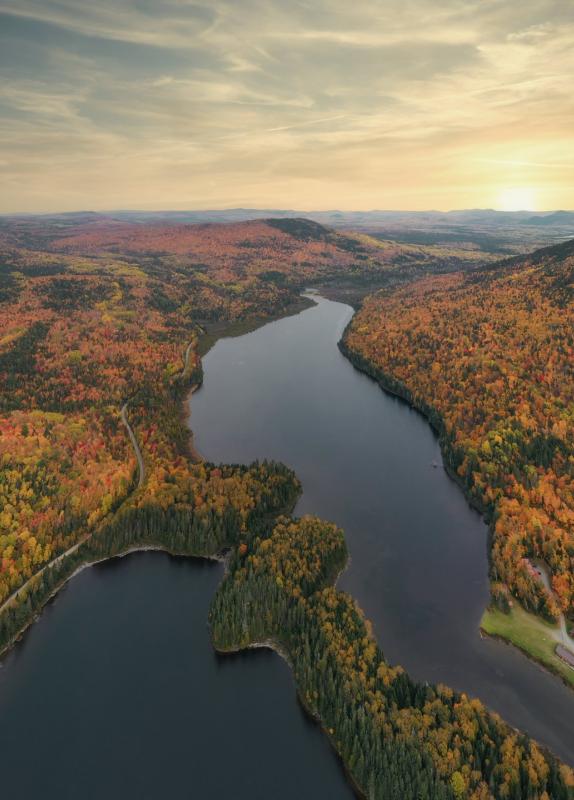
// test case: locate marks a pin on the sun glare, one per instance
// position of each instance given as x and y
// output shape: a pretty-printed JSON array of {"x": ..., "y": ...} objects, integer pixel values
[{"x": 517, "y": 199}]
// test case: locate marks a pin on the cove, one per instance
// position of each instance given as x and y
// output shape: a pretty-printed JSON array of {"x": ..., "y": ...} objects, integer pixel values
[
  {"x": 117, "y": 693},
  {"x": 418, "y": 552}
]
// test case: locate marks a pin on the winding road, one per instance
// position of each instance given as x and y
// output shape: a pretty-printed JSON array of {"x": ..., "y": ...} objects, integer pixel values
[
  {"x": 561, "y": 634},
  {"x": 141, "y": 479},
  {"x": 135, "y": 445},
  {"x": 186, "y": 358},
  {"x": 51, "y": 563},
  {"x": 74, "y": 547}
]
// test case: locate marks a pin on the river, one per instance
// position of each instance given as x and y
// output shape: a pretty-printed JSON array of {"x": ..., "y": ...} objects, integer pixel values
[
  {"x": 418, "y": 551},
  {"x": 116, "y": 692}
]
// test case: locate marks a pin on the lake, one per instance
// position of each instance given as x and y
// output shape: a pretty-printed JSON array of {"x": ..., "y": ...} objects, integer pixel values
[
  {"x": 116, "y": 691},
  {"x": 418, "y": 552}
]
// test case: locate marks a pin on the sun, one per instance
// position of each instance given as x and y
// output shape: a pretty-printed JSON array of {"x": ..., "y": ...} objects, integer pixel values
[{"x": 519, "y": 198}]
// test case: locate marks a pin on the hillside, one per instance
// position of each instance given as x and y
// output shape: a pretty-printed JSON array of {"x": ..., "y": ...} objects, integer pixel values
[
  {"x": 290, "y": 251},
  {"x": 489, "y": 357},
  {"x": 555, "y": 218},
  {"x": 80, "y": 336},
  {"x": 483, "y": 230}
]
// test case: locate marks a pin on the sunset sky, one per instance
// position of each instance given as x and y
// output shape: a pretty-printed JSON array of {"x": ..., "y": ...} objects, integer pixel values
[{"x": 410, "y": 104}]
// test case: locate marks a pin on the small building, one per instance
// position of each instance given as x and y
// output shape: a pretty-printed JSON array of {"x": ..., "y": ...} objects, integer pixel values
[{"x": 566, "y": 655}]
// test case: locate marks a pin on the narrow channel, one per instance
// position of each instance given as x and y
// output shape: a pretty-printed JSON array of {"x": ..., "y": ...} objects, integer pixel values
[{"x": 418, "y": 551}]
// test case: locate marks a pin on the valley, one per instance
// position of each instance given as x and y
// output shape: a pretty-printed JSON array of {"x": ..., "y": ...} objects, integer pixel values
[{"x": 100, "y": 311}]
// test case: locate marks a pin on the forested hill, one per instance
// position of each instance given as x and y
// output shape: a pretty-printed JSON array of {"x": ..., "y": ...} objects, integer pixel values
[
  {"x": 489, "y": 356},
  {"x": 558, "y": 255},
  {"x": 557, "y": 260},
  {"x": 276, "y": 251}
]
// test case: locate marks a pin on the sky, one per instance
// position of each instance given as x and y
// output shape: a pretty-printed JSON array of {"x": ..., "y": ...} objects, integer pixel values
[{"x": 318, "y": 104}]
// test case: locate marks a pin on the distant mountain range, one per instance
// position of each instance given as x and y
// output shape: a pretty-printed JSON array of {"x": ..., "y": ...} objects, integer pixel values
[
  {"x": 499, "y": 232},
  {"x": 350, "y": 218},
  {"x": 554, "y": 218},
  {"x": 334, "y": 218},
  {"x": 487, "y": 230}
]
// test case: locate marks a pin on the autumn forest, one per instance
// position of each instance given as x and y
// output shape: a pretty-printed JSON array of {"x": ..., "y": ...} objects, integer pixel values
[{"x": 103, "y": 326}]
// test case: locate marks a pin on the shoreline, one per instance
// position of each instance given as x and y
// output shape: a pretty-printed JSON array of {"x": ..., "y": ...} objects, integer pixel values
[
  {"x": 384, "y": 383},
  {"x": 194, "y": 453},
  {"x": 205, "y": 342},
  {"x": 4, "y": 653},
  {"x": 71, "y": 550},
  {"x": 432, "y": 417},
  {"x": 211, "y": 333},
  {"x": 270, "y": 644},
  {"x": 538, "y": 661},
  {"x": 275, "y": 647},
  {"x": 547, "y": 666},
  {"x": 208, "y": 339}
]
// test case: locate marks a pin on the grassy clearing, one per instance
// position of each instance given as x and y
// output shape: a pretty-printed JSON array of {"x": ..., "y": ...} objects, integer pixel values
[{"x": 530, "y": 634}]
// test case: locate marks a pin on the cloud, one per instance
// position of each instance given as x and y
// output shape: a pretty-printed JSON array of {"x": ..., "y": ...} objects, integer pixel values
[
  {"x": 259, "y": 101},
  {"x": 163, "y": 24}
]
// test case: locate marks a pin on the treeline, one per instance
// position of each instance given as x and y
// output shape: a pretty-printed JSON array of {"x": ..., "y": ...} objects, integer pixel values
[
  {"x": 209, "y": 513},
  {"x": 73, "y": 348},
  {"x": 397, "y": 738},
  {"x": 489, "y": 358}
]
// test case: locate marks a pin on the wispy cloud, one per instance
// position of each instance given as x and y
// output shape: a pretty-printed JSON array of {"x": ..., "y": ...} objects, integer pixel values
[
  {"x": 516, "y": 163},
  {"x": 307, "y": 124},
  {"x": 260, "y": 102}
]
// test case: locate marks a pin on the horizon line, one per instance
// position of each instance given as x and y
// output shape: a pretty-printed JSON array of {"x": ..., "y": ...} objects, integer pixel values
[{"x": 247, "y": 209}]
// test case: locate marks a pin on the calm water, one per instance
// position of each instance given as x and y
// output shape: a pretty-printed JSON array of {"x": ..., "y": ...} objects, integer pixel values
[
  {"x": 116, "y": 694},
  {"x": 116, "y": 691},
  {"x": 418, "y": 552}
]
